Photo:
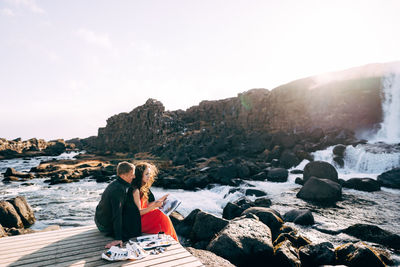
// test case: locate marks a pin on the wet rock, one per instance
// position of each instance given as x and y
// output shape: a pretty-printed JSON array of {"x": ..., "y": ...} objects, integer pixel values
[
  {"x": 9, "y": 216},
  {"x": 206, "y": 226},
  {"x": 268, "y": 216},
  {"x": 320, "y": 190},
  {"x": 255, "y": 192},
  {"x": 296, "y": 171},
  {"x": 24, "y": 210},
  {"x": 296, "y": 239},
  {"x": 200, "y": 181},
  {"x": 261, "y": 176},
  {"x": 12, "y": 172},
  {"x": 235, "y": 209},
  {"x": 359, "y": 254},
  {"x": 299, "y": 181},
  {"x": 339, "y": 162},
  {"x": 390, "y": 178},
  {"x": 288, "y": 159},
  {"x": 262, "y": 202},
  {"x": 362, "y": 184},
  {"x": 320, "y": 169},
  {"x": 339, "y": 150},
  {"x": 373, "y": 233},
  {"x": 286, "y": 255},
  {"x": 317, "y": 254},
  {"x": 302, "y": 217},
  {"x": 244, "y": 242},
  {"x": 208, "y": 258},
  {"x": 277, "y": 175}
]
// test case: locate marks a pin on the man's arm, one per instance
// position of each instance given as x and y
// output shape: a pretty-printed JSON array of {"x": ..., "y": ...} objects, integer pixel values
[{"x": 117, "y": 201}]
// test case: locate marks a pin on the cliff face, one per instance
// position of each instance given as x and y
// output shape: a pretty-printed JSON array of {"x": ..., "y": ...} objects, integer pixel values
[{"x": 346, "y": 100}]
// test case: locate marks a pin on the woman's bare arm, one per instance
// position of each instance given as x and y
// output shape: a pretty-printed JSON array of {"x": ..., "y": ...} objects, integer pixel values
[{"x": 151, "y": 206}]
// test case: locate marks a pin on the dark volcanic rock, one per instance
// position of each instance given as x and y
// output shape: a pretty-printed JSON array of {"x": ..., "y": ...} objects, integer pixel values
[
  {"x": 317, "y": 254},
  {"x": 244, "y": 242},
  {"x": 255, "y": 192},
  {"x": 268, "y": 216},
  {"x": 12, "y": 172},
  {"x": 359, "y": 254},
  {"x": 288, "y": 160},
  {"x": 208, "y": 258},
  {"x": 286, "y": 255},
  {"x": 320, "y": 169},
  {"x": 339, "y": 150},
  {"x": 390, "y": 178},
  {"x": 302, "y": 217},
  {"x": 320, "y": 190},
  {"x": 235, "y": 209},
  {"x": 362, "y": 184},
  {"x": 9, "y": 216},
  {"x": 278, "y": 175},
  {"x": 206, "y": 226},
  {"x": 184, "y": 228},
  {"x": 373, "y": 233}
]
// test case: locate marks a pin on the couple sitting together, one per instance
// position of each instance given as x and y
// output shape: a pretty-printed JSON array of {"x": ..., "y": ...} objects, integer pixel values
[{"x": 128, "y": 208}]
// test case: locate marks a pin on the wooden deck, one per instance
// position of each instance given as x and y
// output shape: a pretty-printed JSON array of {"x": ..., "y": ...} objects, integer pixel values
[{"x": 80, "y": 246}]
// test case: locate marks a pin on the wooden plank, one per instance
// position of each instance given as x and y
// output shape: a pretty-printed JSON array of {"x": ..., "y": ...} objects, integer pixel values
[
  {"x": 95, "y": 260},
  {"x": 47, "y": 233},
  {"x": 196, "y": 263},
  {"x": 177, "y": 262}
]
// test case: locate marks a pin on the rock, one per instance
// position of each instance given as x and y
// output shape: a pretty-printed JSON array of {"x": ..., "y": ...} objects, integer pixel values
[
  {"x": 320, "y": 169},
  {"x": 262, "y": 202},
  {"x": 206, "y": 226},
  {"x": 261, "y": 176},
  {"x": 185, "y": 227},
  {"x": 277, "y": 175},
  {"x": 373, "y": 233},
  {"x": 286, "y": 255},
  {"x": 12, "y": 172},
  {"x": 390, "y": 178},
  {"x": 296, "y": 171},
  {"x": 362, "y": 184},
  {"x": 255, "y": 192},
  {"x": 244, "y": 242},
  {"x": 339, "y": 150},
  {"x": 320, "y": 190},
  {"x": 317, "y": 254},
  {"x": 235, "y": 209},
  {"x": 268, "y": 216},
  {"x": 208, "y": 258},
  {"x": 299, "y": 181},
  {"x": 19, "y": 231},
  {"x": 359, "y": 254},
  {"x": 288, "y": 159},
  {"x": 24, "y": 210},
  {"x": 316, "y": 135},
  {"x": 176, "y": 218},
  {"x": 200, "y": 181},
  {"x": 339, "y": 162},
  {"x": 296, "y": 239},
  {"x": 9, "y": 216},
  {"x": 2, "y": 231},
  {"x": 302, "y": 217}
]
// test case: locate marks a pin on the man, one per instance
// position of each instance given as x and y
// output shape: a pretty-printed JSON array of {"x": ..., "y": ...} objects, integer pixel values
[{"x": 116, "y": 214}]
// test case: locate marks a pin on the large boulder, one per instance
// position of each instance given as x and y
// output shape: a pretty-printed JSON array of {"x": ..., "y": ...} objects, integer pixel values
[
  {"x": 277, "y": 175},
  {"x": 184, "y": 228},
  {"x": 339, "y": 150},
  {"x": 244, "y": 242},
  {"x": 359, "y": 254},
  {"x": 235, "y": 209},
  {"x": 9, "y": 216},
  {"x": 302, "y": 217},
  {"x": 24, "y": 210},
  {"x": 286, "y": 255},
  {"x": 317, "y": 254},
  {"x": 288, "y": 159},
  {"x": 208, "y": 258},
  {"x": 206, "y": 226},
  {"x": 362, "y": 184},
  {"x": 390, "y": 178},
  {"x": 320, "y": 190},
  {"x": 373, "y": 233},
  {"x": 320, "y": 169},
  {"x": 268, "y": 216}
]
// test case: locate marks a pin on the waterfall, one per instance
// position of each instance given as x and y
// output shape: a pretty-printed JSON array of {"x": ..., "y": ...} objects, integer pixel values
[{"x": 390, "y": 127}]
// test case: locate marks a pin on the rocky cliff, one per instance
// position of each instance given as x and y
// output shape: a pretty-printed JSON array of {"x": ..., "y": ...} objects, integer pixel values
[{"x": 349, "y": 99}]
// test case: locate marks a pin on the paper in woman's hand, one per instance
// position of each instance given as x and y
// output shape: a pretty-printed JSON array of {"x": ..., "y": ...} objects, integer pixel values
[{"x": 170, "y": 204}]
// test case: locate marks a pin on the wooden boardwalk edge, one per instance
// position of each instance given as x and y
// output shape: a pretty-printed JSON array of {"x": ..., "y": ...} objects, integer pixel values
[{"x": 79, "y": 246}]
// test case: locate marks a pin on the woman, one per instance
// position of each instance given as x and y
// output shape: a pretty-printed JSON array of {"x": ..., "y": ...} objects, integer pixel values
[{"x": 153, "y": 220}]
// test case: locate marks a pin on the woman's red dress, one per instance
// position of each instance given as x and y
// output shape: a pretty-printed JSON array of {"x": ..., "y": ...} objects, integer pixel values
[{"x": 156, "y": 221}]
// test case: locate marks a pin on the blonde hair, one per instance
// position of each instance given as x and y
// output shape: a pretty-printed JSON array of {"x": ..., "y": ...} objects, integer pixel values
[{"x": 138, "y": 181}]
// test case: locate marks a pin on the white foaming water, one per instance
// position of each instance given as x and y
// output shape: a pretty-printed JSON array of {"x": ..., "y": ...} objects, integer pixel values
[
  {"x": 362, "y": 159},
  {"x": 390, "y": 127}
]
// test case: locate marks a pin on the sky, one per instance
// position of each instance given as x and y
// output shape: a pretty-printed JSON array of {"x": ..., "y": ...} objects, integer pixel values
[{"x": 67, "y": 66}]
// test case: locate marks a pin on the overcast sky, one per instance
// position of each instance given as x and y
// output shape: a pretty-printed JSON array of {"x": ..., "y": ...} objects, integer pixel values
[{"x": 67, "y": 66}]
